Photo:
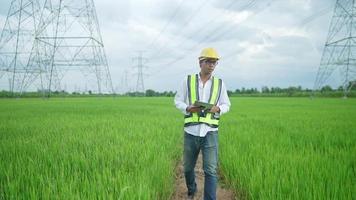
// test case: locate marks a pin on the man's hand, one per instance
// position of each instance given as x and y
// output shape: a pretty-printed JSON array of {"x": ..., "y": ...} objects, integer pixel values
[
  {"x": 193, "y": 109},
  {"x": 215, "y": 109}
]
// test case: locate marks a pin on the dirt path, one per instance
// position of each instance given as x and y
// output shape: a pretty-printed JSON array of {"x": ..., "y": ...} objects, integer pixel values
[{"x": 180, "y": 192}]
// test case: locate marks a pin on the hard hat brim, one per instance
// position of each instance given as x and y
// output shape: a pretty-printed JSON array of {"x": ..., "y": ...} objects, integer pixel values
[{"x": 204, "y": 58}]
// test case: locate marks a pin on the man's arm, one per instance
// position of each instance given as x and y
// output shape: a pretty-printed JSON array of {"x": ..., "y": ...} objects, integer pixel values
[
  {"x": 224, "y": 101},
  {"x": 181, "y": 98}
]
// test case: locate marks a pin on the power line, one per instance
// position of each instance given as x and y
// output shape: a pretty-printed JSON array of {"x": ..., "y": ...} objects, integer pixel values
[
  {"x": 250, "y": 5},
  {"x": 225, "y": 32},
  {"x": 200, "y": 7},
  {"x": 166, "y": 25},
  {"x": 217, "y": 29},
  {"x": 205, "y": 25},
  {"x": 232, "y": 27},
  {"x": 315, "y": 15},
  {"x": 303, "y": 22}
]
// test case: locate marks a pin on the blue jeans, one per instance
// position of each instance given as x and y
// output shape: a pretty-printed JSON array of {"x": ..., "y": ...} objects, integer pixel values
[{"x": 209, "y": 147}]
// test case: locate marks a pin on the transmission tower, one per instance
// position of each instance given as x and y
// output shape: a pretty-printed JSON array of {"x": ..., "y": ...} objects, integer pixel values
[
  {"x": 139, "y": 84},
  {"x": 340, "y": 47},
  {"x": 125, "y": 82},
  {"x": 16, "y": 41},
  {"x": 67, "y": 38}
]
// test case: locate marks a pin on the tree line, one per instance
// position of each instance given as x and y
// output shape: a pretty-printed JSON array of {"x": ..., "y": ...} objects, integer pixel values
[
  {"x": 293, "y": 91},
  {"x": 265, "y": 91}
]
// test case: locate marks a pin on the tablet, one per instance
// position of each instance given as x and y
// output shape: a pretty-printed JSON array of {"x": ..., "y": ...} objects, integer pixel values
[{"x": 203, "y": 105}]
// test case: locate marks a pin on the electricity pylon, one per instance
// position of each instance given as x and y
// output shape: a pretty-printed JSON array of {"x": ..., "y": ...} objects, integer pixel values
[
  {"x": 16, "y": 41},
  {"x": 66, "y": 38},
  {"x": 140, "y": 65},
  {"x": 340, "y": 47}
]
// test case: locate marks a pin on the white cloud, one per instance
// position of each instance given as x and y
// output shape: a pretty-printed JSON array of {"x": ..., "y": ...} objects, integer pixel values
[
  {"x": 304, "y": 4},
  {"x": 268, "y": 48},
  {"x": 236, "y": 17},
  {"x": 283, "y": 31}
]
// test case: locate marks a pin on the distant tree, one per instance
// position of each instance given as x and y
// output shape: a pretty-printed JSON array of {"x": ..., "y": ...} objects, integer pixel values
[
  {"x": 326, "y": 88},
  {"x": 249, "y": 91},
  {"x": 172, "y": 94},
  {"x": 340, "y": 88},
  {"x": 229, "y": 93},
  {"x": 276, "y": 90},
  {"x": 265, "y": 89},
  {"x": 167, "y": 94},
  {"x": 150, "y": 93},
  {"x": 352, "y": 85},
  {"x": 292, "y": 90}
]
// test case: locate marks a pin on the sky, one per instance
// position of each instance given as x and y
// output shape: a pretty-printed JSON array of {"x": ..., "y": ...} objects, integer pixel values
[{"x": 274, "y": 43}]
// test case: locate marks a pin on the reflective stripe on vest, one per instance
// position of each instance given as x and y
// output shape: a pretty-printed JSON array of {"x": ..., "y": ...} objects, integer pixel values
[{"x": 193, "y": 95}]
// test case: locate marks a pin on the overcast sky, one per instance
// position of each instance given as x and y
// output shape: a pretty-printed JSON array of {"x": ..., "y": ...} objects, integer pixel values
[{"x": 261, "y": 43}]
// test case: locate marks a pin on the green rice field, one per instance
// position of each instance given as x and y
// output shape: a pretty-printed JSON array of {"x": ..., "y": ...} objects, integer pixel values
[{"x": 128, "y": 148}]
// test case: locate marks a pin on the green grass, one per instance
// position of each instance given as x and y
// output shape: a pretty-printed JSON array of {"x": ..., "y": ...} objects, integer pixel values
[
  {"x": 88, "y": 148},
  {"x": 127, "y": 148},
  {"x": 277, "y": 148}
]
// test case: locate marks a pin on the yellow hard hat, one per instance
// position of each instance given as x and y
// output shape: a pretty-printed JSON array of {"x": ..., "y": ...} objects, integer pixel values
[{"x": 209, "y": 53}]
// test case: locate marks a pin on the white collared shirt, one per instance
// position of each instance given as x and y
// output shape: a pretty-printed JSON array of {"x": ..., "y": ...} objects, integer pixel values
[{"x": 182, "y": 102}]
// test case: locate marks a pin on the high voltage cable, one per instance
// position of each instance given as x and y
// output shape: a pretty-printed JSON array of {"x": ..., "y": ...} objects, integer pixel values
[
  {"x": 250, "y": 5},
  {"x": 232, "y": 27},
  {"x": 166, "y": 25},
  {"x": 232, "y": 54},
  {"x": 315, "y": 15},
  {"x": 201, "y": 6},
  {"x": 204, "y": 26},
  {"x": 303, "y": 22}
]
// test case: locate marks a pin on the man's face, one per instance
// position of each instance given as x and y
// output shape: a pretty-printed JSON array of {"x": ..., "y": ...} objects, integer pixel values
[{"x": 207, "y": 66}]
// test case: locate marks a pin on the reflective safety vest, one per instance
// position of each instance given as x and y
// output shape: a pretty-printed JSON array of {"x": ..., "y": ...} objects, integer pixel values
[{"x": 193, "y": 95}]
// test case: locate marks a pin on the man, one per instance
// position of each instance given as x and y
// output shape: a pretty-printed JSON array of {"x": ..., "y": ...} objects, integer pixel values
[{"x": 200, "y": 124}]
